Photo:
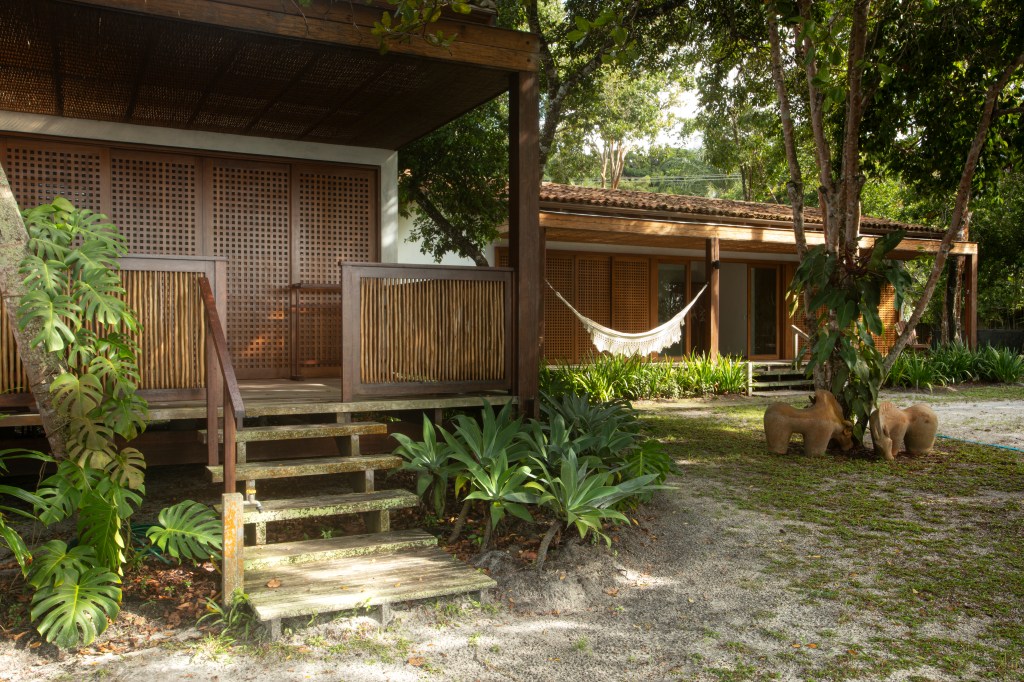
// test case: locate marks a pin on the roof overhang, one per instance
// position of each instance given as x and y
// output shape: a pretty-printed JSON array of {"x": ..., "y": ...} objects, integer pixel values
[
  {"x": 255, "y": 67},
  {"x": 692, "y": 232}
]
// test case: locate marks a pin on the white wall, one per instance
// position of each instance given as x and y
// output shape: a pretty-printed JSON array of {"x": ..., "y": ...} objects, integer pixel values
[{"x": 732, "y": 330}]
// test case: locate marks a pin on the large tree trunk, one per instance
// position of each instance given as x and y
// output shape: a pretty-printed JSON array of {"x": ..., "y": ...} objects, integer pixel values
[{"x": 42, "y": 367}]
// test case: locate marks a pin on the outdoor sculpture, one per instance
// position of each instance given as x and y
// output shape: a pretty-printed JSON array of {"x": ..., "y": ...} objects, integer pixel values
[
  {"x": 915, "y": 427},
  {"x": 818, "y": 424}
]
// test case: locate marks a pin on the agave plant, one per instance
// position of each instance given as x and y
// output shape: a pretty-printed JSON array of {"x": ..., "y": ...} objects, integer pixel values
[
  {"x": 1001, "y": 365},
  {"x": 431, "y": 461},
  {"x": 582, "y": 497},
  {"x": 498, "y": 483}
]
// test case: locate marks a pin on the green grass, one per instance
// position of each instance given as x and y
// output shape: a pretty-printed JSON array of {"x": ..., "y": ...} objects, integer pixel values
[{"x": 916, "y": 546}]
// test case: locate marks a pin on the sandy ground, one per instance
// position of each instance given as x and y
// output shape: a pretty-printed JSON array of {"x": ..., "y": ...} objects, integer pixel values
[{"x": 674, "y": 599}]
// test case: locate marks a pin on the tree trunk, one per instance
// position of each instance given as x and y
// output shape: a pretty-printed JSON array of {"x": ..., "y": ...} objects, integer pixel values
[
  {"x": 542, "y": 551},
  {"x": 459, "y": 522},
  {"x": 953, "y": 304},
  {"x": 960, "y": 206},
  {"x": 42, "y": 367}
]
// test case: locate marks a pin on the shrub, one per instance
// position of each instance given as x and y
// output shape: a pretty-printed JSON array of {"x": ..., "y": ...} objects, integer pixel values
[
  {"x": 915, "y": 370},
  {"x": 1000, "y": 365}
]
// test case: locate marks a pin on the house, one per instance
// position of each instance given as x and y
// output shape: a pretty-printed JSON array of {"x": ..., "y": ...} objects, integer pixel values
[
  {"x": 630, "y": 260},
  {"x": 246, "y": 148}
]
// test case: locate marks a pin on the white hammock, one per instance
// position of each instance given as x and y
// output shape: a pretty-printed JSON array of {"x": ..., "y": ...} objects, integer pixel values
[{"x": 643, "y": 343}]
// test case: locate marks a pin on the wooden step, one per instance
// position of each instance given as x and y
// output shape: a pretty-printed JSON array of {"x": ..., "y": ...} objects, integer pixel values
[
  {"x": 328, "y": 505},
  {"x": 781, "y": 384},
  {"x": 311, "y": 551},
  {"x": 359, "y": 582},
  {"x": 297, "y": 431},
  {"x": 313, "y": 466}
]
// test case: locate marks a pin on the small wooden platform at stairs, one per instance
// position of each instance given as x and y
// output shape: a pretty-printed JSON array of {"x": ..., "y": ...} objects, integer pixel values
[
  {"x": 770, "y": 376},
  {"x": 372, "y": 569}
]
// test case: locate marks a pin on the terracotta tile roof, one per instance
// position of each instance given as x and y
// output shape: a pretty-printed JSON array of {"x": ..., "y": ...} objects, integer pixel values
[{"x": 554, "y": 193}]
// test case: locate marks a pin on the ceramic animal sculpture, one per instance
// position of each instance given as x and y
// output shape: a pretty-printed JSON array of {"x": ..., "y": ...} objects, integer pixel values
[
  {"x": 915, "y": 427},
  {"x": 819, "y": 423}
]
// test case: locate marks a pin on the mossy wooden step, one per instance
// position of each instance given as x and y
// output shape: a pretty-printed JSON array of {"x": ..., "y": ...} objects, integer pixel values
[
  {"x": 356, "y": 583},
  {"x": 780, "y": 384},
  {"x": 297, "y": 431},
  {"x": 328, "y": 505},
  {"x": 313, "y": 466},
  {"x": 328, "y": 549}
]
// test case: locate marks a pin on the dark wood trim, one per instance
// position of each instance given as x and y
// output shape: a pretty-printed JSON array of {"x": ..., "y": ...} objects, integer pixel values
[
  {"x": 712, "y": 261},
  {"x": 479, "y": 45},
  {"x": 524, "y": 233}
]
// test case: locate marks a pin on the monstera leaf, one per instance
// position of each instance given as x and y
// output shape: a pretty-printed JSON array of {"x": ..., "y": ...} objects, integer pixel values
[
  {"x": 74, "y": 612},
  {"x": 76, "y": 396},
  {"x": 55, "y": 563},
  {"x": 57, "y": 316},
  {"x": 188, "y": 530}
]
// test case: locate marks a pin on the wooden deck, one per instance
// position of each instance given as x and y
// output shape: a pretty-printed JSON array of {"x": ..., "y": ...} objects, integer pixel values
[{"x": 272, "y": 397}]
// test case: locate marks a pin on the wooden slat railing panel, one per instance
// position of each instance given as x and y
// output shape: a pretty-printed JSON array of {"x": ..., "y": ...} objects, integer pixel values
[
  {"x": 164, "y": 292},
  {"x": 425, "y": 329}
]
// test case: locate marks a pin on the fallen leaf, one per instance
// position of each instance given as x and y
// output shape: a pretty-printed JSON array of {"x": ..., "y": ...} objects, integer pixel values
[
  {"x": 417, "y": 661},
  {"x": 612, "y": 591},
  {"x": 812, "y": 645},
  {"x": 690, "y": 599},
  {"x": 273, "y": 583},
  {"x": 796, "y": 645}
]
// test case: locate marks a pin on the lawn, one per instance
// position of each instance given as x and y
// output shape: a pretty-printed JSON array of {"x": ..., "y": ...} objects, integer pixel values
[{"x": 925, "y": 553}]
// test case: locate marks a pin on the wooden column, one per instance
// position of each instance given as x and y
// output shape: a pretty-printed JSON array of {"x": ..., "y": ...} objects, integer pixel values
[
  {"x": 712, "y": 262},
  {"x": 525, "y": 246},
  {"x": 971, "y": 300}
]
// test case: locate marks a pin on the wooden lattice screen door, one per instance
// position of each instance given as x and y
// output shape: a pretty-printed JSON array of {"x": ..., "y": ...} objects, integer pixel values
[{"x": 277, "y": 222}]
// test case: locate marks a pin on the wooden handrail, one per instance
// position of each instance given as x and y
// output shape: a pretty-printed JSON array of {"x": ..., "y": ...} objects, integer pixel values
[{"x": 232, "y": 394}]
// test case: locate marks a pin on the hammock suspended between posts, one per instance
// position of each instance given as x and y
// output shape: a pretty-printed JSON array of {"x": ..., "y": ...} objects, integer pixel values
[{"x": 643, "y": 343}]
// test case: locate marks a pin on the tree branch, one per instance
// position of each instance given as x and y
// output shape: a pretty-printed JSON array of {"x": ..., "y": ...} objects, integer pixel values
[
  {"x": 457, "y": 237},
  {"x": 960, "y": 206}
]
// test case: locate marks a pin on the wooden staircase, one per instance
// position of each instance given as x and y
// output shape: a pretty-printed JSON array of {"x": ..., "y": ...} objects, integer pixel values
[
  {"x": 372, "y": 569},
  {"x": 770, "y": 376}
]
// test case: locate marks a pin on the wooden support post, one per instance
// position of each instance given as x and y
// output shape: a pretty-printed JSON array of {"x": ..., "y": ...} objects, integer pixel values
[
  {"x": 348, "y": 446},
  {"x": 971, "y": 301},
  {"x": 712, "y": 264},
  {"x": 524, "y": 238},
  {"x": 233, "y": 577}
]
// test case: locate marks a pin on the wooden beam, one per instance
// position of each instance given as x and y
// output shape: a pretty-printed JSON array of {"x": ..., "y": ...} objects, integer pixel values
[
  {"x": 712, "y": 263},
  {"x": 525, "y": 243},
  {"x": 971, "y": 301},
  {"x": 750, "y": 234},
  {"x": 474, "y": 44}
]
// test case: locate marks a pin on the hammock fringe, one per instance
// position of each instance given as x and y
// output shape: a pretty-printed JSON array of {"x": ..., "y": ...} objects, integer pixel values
[{"x": 623, "y": 343}]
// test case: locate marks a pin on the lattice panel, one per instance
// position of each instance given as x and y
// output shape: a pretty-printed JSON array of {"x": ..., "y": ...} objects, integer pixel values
[
  {"x": 631, "y": 295},
  {"x": 40, "y": 171},
  {"x": 890, "y": 316},
  {"x": 249, "y": 219},
  {"x": 13, "y": 378},
  {"x": 559, "y": 322},
  {"x": 173, "y": 338},
  {"x": 593, "y": 299},
  {"x": 154, "y": 202},
  {"x": 336, "y": 210}
]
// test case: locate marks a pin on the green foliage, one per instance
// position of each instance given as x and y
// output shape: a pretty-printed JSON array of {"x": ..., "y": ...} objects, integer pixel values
[
  {"x": 74, "y": 595},
  {"x": 188, "y": 530},
  {"x": 236, "y": 620},
  {"x": 847, "y": 307},
  {"x": 611, "y": 377},
  {"x": 583, "y": 497},
  {"x": 8, "y": 535},
  {"x": 76, "y": 300},
  {"x": 955, "y": 363},
  {"x": 915, "y": 370},
  {"x": 498, "y": 483},
  {"x": 431, "y": 462}
]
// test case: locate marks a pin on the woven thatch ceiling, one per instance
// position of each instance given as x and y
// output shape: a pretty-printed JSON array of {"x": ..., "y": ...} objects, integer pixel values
[{"x": 78, "y": 61}]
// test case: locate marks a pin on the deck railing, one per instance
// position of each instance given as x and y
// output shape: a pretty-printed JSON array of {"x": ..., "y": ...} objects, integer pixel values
[
  {"x": 425, "y": 329},
  {"x": 164, "y": 292},
  {"x": 221, "y": 387}
]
